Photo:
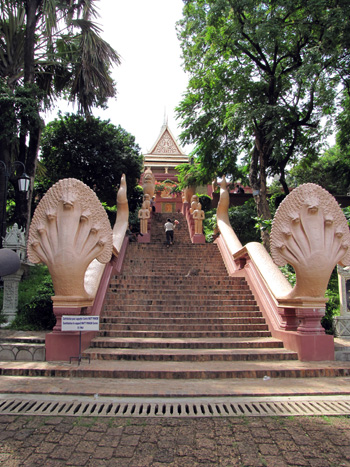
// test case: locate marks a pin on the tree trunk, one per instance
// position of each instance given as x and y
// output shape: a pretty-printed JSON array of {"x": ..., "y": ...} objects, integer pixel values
[
  {"x": 257, "y": 178},
  {"x": 28, "y": 154},
  {"x": 284, "y": 183},
  {"x": 5, "y": 158},
  {"x": 29, "y": 44}
]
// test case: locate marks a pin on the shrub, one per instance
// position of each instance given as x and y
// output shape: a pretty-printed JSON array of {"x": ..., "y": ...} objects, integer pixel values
[
  {"x": 209, "y": 225},
  {"x": 205, "y": 201},
  {"x": 333, "y": 304},
  {"x": 242, "y": 220},
  {"x": 35, "y": 311}
]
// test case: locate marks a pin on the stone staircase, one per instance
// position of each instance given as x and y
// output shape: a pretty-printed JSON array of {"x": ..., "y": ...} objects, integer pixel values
[
  {"x": 175, "y": 324},
  {"x": 177, "y": 305}
]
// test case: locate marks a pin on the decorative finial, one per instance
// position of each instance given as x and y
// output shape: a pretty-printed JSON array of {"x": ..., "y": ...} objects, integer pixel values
[{"x": 165, "y": 121}]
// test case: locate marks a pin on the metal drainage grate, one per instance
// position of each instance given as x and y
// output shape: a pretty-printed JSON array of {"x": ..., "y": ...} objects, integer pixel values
[{"x": 261, "y": 407}]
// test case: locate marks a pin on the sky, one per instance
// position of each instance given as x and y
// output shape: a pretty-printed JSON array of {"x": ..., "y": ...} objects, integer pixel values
[{"x": 150, "y": 80}]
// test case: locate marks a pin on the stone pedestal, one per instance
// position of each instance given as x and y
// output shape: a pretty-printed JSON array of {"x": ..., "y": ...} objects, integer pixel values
[
  {"x": 10, "y": 303},
  {"x": 15, "y": 241},
  {"x": 198, "y": 238},
  {"x": 342, "y": 326},
  {"x": 342, "y": 322}
]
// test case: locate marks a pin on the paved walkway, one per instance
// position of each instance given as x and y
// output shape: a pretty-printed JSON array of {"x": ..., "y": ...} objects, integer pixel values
[
  {"x": 50, "y": 441},
  {"x": 121, "y": 387},
  {"x": 242, "y": 441}
]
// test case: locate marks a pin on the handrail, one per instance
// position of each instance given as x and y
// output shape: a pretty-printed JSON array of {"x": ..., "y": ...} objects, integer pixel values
[
  {"x": 223, "y": 222},
  {"x": 296, "y": 321},
  {"x": 95, "y": 270}
]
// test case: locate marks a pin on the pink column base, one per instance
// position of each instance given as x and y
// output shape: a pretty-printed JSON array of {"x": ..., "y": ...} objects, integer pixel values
[
  {"x": 312, "y": 347},
  {"x": 63, "y": 345}
]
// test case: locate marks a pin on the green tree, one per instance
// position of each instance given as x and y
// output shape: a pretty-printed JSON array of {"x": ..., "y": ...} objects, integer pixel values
[
  {"x": 91, "y": 150},
  {"x": 331, "y": 171},
  {"x": 343, "y": 124},
  {"x": 262, "y": 76},
  {"x": 48, "y": 49}
]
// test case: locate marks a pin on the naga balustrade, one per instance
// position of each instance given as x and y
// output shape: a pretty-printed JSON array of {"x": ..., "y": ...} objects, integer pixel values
[{"x": 309, "y": 232}]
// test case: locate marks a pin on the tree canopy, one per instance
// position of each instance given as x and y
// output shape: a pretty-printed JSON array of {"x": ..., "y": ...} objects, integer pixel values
[
  {"x": 91, "y": 150},
  {"x": 263, "y": 75},
  {"x": 48, "y": 49},
  {"x": 331, "y": 171}
]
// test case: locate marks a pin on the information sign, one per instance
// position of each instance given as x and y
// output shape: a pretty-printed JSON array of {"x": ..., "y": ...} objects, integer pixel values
[{"x": 80, "y": 323}]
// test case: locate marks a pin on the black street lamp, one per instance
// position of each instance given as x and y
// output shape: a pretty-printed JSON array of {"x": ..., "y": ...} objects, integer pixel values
[{"x": 23, "y": 186}]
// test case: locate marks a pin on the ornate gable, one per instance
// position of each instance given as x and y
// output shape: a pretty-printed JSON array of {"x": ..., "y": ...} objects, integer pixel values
[
  {"x": 165, "y": 154},
  {"x": 166, "y": 144}
]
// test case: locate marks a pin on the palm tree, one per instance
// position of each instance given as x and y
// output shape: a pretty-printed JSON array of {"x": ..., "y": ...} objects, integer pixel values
[{"x": 48, "y": 49}]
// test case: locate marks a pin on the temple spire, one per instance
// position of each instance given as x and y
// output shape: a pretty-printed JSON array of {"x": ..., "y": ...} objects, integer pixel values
[{"x": 165, "y": 120}]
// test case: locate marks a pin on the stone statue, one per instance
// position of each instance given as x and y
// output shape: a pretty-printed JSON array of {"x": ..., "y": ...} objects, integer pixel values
[
  {"x": 194, "y": 203},
  {"x": 198, "y": 216},
  {"x": 149, "y": 182},
  {"x": 15, "y": 239},
  {"x": 310, "y": 232},
  {"x": 69, "y": 230},
  {"x": 144, "y": 215},
  {"x": 147, "y": 202}
]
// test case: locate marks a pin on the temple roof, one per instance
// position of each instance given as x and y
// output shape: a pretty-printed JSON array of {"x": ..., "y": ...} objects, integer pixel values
[{"x": 165, "y": 151}]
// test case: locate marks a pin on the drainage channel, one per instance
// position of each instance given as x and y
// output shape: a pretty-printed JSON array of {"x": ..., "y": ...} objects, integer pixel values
[{"x": 202, "y": 407}]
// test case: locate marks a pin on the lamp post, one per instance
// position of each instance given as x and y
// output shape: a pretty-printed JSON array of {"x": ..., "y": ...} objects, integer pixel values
[{"x": 23, "y": 186}]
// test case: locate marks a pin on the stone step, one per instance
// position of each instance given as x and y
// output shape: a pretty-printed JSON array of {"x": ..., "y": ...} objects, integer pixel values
[
  {"x": 199, "y": 289},
  {"x": 178, "y": 272},
  {"x": 189, "y": 355},
  {"x": 194, "y": 343},
  {"x": 176, "y": 321},
  {"x": 176, "y": 370},
  {"x": 185, "y": 334},
  {"x": 172, "y": 273},
  {"x": 173, "y": 282},
  {"x": 149, "y": 260},
  {"x": 206, "y": 302},
  {"x": 189, "y": 327},
  {"x": 205, "y": 291},
  {"x": 179, "y": 314},
  {"x": 175, "y": 308},
  {"x": 151, "y": 295}
]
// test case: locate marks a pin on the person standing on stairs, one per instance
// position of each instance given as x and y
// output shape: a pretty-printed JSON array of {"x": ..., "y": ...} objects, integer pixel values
[{"x": 169, "y": 227}]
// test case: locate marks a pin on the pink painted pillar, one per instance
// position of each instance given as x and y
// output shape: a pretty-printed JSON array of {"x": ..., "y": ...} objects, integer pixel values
[
  {"x": 60, "y": 346},
  {"x": 310, "y": 320},
  {"x": 290, "y": 321}
]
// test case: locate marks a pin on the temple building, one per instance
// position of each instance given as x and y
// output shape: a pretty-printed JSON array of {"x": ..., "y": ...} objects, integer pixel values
[{"x": 164, "y": 156}]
